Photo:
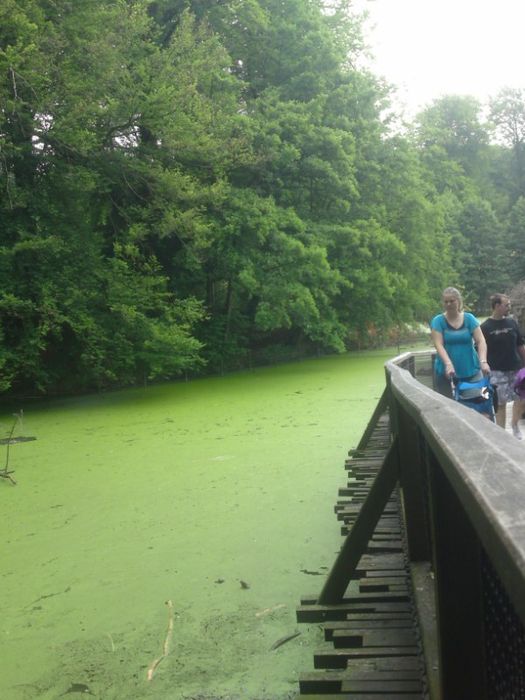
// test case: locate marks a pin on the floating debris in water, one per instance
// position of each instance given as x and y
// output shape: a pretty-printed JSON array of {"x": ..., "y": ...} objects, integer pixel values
[
  {"x": 283, "y": 640},
  {"x": 312, "y": 573},
  {"x": 5, "y": 473},
  {"x": 78, "y": 688},
  {"x": 49, "y": 595},
  {"x": 244, "y": 585},
  {"x": 219, "y": 580},
  {"x": 14, "y": 440},
  {"x": 266, "y": 611},
  {"x": 166, "y": 646}
]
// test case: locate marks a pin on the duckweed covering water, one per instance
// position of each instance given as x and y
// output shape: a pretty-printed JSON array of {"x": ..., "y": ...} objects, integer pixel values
[{"x": 216, "y": 495}]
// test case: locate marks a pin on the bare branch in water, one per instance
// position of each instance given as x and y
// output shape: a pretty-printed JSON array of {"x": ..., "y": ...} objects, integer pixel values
[{"x": 5, "y": 473}]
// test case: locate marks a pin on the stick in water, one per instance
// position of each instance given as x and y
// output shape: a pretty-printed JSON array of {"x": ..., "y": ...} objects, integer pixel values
[
  {"x": 166, "y": 646},
  {"x": 5, "y": 473}
]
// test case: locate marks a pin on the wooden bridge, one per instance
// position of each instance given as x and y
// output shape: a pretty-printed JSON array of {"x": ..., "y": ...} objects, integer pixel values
[{"x": 426, "y": 598}]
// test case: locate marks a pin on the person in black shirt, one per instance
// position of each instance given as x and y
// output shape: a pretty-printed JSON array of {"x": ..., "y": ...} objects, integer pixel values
[{"x": 506, "y": 355}]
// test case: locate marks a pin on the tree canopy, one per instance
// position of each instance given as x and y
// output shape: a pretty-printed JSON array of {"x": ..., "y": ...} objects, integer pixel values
[{"x": 184, "y": 185}]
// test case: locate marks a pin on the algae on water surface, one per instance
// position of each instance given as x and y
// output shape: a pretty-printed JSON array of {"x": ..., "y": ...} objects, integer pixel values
[{"x": 216, "y": 494}]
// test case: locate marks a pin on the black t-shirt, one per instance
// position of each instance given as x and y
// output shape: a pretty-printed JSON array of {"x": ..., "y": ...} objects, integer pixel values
[{"x": 503, "y": 339}]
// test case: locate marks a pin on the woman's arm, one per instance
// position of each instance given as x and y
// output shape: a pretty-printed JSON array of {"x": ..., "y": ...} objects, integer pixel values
[
  {"x": 437, "y": 339},
  {"x": 481, "y": 347}
]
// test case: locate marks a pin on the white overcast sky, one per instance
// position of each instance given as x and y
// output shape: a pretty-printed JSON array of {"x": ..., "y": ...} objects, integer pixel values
[{"x": 430, "y": 48}]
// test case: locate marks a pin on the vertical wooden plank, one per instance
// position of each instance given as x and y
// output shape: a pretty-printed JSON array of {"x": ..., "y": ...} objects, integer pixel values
[
  {"x": 413, "y": 480},
  {"x": 457, "y": 561},
  {"x": 381, "y": 407}
]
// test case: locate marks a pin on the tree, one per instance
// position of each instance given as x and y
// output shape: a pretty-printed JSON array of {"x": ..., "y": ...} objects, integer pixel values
[
  {"x": 187, "y": 186},
  {"x": 515, "y": 240},
  {"x": 453, "y": 143},
  {"x": 484, "y": 258},
  {"x": 76, "y": 84},
  {"x": 469, "y": 180},
  {"x": 507, "y": 112}
]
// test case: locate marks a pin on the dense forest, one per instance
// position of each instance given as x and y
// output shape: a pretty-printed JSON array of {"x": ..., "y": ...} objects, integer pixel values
[{"x": 189, "y": 187}]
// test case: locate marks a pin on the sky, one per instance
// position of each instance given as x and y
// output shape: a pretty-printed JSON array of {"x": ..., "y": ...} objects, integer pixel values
[{"x": 431, "y": 48}]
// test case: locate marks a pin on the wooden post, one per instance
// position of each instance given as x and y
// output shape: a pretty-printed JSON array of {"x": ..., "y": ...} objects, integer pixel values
[
  {"x": 457, "y": 562},
  {"x": 413, "y": 480},
  {"x": 357, "y": 539}
]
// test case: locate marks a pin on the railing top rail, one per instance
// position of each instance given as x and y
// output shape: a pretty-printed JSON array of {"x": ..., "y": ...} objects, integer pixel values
[
  {"x": 399, "y": 359},
  {"x": 485, "y": 466}
]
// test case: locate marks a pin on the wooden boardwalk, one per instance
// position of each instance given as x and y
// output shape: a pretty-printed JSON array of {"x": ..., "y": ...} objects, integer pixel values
[{"x": 372, "y": 644}]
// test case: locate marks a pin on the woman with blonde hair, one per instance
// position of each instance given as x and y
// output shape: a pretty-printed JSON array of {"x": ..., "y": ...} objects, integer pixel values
[{"x": 460, "y": 345}]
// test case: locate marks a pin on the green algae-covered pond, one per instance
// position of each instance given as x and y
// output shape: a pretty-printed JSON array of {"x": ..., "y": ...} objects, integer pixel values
[{"x": 173, "y": 530}]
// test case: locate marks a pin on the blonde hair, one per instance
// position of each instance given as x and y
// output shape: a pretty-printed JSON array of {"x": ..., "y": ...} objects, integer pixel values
[{"x": 452, "y": 291}]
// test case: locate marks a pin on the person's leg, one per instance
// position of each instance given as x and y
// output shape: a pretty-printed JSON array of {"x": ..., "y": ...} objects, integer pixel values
[
  {"x": 499, "y": 382},
  {"x": 501, "y": 413},
  {"x": 517, "y": 411}
]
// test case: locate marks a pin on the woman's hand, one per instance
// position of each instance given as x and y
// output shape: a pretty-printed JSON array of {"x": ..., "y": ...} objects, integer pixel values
[
  {"x": 485, "y": 368},
  {"x": 449, "y": 370}
]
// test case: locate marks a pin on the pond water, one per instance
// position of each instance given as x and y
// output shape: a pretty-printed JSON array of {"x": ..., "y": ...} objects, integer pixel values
[{"x": 158, "y": 540}]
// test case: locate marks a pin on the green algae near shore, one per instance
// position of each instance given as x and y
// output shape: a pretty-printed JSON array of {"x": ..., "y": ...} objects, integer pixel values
[{"x": 182, "y": 492}]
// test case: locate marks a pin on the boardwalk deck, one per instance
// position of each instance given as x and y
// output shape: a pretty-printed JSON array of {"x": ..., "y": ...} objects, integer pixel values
[{"x": 372, "y": 641}]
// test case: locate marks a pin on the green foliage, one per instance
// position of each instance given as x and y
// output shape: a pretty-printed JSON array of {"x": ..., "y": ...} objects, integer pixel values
[
  {"x": 475, "y": 185},
  {"x": 515, "y": 241},
  {"x": 507, "y": 112},
  {"x": 453, "y": 143},
  {"x": 185, "y": 186},
  {"x": 483, "y": 256},
  {"x": 74, "y": 313}
]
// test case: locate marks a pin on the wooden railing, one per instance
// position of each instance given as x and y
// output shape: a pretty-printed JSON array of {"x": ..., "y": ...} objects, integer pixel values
[{"x": 462, "y": 481}]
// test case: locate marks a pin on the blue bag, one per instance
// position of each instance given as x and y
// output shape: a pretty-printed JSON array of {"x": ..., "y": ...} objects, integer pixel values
[{"x": 478, "y": 395}]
